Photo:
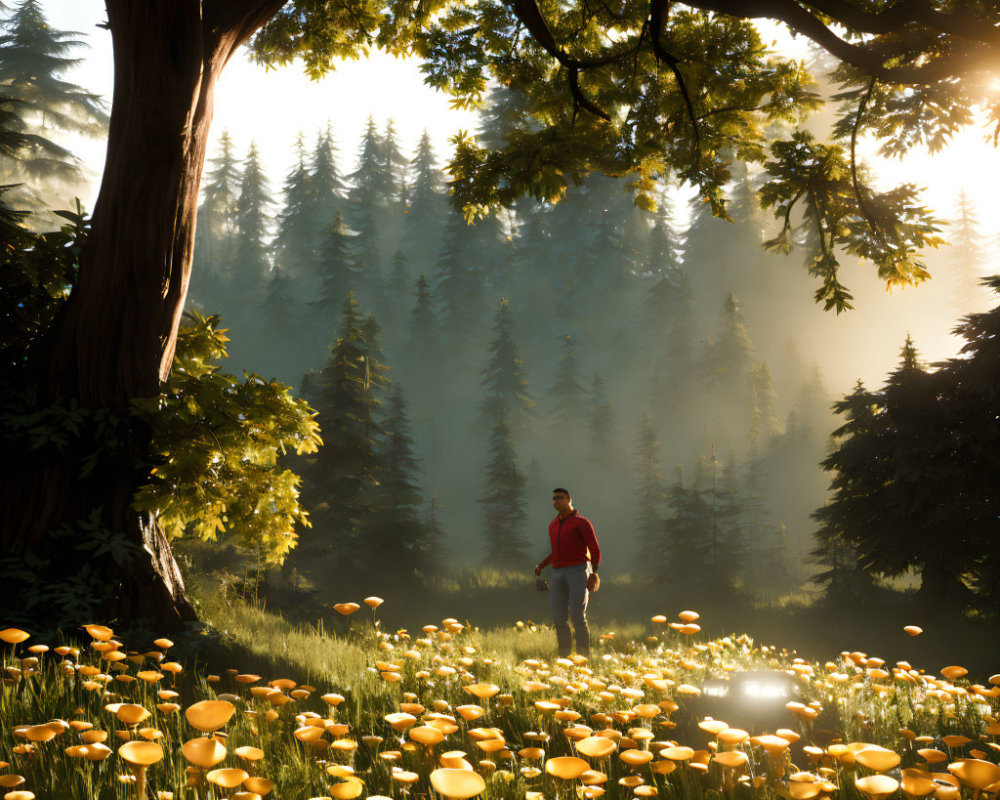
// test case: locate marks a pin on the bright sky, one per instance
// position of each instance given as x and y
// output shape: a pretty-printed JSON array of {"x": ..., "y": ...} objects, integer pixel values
[{"x": 272, "y": 106}]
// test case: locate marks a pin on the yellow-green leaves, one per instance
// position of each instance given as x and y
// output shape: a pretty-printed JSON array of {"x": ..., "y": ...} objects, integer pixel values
[{"x": 218, "y": 439}]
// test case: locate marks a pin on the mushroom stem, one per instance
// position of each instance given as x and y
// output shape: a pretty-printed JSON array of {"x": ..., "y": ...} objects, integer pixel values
[{"x": 140, "y": 782}]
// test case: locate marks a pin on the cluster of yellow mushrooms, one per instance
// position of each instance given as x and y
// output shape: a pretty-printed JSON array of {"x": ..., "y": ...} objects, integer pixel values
[{"x": 432, "y": 715}]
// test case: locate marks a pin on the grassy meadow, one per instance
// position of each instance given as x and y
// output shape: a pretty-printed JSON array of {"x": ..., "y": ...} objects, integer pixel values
[{"x": 253, "y": 705}]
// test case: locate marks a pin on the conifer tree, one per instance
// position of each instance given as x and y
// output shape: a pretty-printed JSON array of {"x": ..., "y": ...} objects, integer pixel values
[
  {"x": 724, "y": 538},
  {"x": 34, "y": 57},
  {"x": 566, "y": 396},
  {"x": 649, "y": 493},
  {"x": 293, "y": 245},
  {"x": 395, "y": 543},
  {"x": 763, "y": 417},
  {"x": 602, "y": 430},
  {"x": 394, "y": 166},
  {"x": 841, "y": 574},
  {"x": 663, "y": 249},
  {"x": 367, "y": 198},
  {"x": 505, "y": 386},
  {"x": 337, "y": 273},
  {"x": 681, "y": 560},
  {"x": 728, "y": 357},
  {"x": 251, "y": 263},
  {"x": 427, "y": 207},
  {"x": 216, "y": 232},
  {"x": 343, "y": 477},
  {"x": 326, "y": 197},
  {"x": 966, "y": 257},
  {"x": 502, "y": 500},
  {"x": 459, "y": 288}
]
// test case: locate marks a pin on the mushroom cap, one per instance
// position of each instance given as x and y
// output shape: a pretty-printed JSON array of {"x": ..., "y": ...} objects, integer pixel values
[
  {"x": 954, "y": 671},
  {"x": 400, "y": 720},
  {"x": 10, "y": 781},
  {"x": 677, "y": 753},
  {"x": 913, "y": 630},
  {"x": 713, "y": 726},
  {"x": 917, "y": 783},
  {"x": 688, "y": 616},
  {"x": 932, "y": 755},
  {"x": 877, "y": 758},
  {"x": 258, "y": 785},
  {"x": 731, "y": 758},
  {"x": 249, "y": 753},
  {"x": 209, "y": 715},
  {"x": 131, "y": 713},
  {"x": 203, "y": 752},
  {"x": 771, "y": 743},
  {"x": 596, "y": 746},
  {"x": 426, "y": 734},
  {"x": 346, "y": 609},
  {"x": 635, "y": 758},
  {"x": 141, "y": 753},
  {"x": 99, "y": 633},
  {"x": 19, "y": 795},
  {"x": 975, "y": 773},
  {"x": 97, "y": 752},
  {"x": 482, "y": 690},
  {"x": 373, "y": 601},
  {"x": 347, "y": 789},
  {"x": 228, "y": 777},
  {"x": 457, "y": 784},
  {"x": 732, "y": 736},
  {"x": 876, "y": 786},
  {"x": 566, "y": 767},
  {"x": 14, "y": 635},
  {"x": 470, "y": 712}
]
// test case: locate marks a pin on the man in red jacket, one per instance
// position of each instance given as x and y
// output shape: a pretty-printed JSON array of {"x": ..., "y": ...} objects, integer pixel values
[{"x": 575, "y": 557}]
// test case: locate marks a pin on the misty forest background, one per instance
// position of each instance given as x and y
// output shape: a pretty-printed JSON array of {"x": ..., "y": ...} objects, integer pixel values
[{"x": 663, "y": 366}]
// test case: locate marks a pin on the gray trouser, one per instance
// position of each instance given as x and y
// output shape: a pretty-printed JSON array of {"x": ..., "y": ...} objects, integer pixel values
[{"x": 568, "y": 601}]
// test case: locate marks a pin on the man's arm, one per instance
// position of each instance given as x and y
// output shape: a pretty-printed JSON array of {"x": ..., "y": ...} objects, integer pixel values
[
  {"x": 543, "y": 564},
  {"x": 590, "y": 539}
]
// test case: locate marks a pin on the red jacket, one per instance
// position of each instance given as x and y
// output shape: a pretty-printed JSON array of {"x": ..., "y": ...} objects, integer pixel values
[{"x": 571, "y": 539}]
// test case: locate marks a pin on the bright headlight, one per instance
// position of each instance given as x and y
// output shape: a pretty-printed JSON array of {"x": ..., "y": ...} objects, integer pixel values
[{"x": 763, "y": 691}]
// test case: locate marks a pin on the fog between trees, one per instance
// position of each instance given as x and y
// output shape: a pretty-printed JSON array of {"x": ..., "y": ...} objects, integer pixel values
[{"x": 662, "y": 366}]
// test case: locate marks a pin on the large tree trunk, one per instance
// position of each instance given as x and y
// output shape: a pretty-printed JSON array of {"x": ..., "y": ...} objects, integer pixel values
[{"x": 115, "y": 340}]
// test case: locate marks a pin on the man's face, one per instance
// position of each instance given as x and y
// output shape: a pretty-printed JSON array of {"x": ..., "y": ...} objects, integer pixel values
[{"x": 561, "y": 502}]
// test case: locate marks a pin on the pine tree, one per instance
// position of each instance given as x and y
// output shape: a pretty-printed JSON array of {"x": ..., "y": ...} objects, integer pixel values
[
  {"x": 725, "y": 546},
  {"x": 681, "y": 561},
  {"x": 841, "y": 575},
  {"x": 602, "y": 430},
  {"x": 367, "y": 199},
  {"x": 649, "y": 493},
  {"x": 216, "y": 231},
  {"x": 395, "y": 544},
  {"x": 967, "y": 256},
  {"x": 293, "y": 245},
  {"x": 253, "y": 224},
  {"x": 566, "y": 396},
  {"x": 326, "y": 197},
  {"x": 502, "y": 500},
  {"x": 662, "y": 256},
  {"x": 343, "y": 477},
  {"x": 337, "y": 273},
  {"x": 763, "y": 416},
  {"x": 504, "y": 383},
  {"x": 728, "y": 357},
  {"x": 33, "y": 58},
  {"x": 459, "y": 288},
  {"x": 427, "y": 207}
]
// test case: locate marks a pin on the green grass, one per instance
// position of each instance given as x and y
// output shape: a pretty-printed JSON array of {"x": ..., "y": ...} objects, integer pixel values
[{"x": 351, "y": 661}]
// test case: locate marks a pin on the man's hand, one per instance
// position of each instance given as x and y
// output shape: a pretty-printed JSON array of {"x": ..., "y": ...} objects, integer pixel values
[
  {"x": 593, "y": 582},
  {"x": 538, "y": 570}
]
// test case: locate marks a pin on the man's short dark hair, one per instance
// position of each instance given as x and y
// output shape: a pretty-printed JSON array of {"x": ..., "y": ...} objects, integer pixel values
[{"x": 562, "y": 491}]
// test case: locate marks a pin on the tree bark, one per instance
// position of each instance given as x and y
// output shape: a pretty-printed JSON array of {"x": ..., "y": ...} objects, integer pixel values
[{"x": 115, "y": 339}]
